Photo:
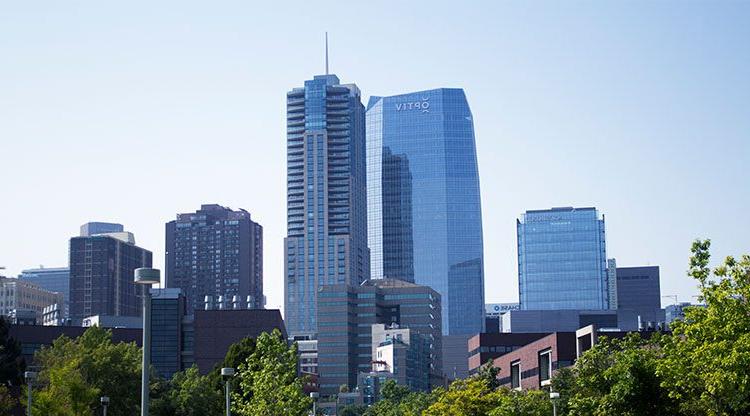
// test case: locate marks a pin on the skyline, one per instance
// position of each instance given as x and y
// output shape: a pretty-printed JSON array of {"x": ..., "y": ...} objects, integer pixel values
[{"x": 654, "y": 90}]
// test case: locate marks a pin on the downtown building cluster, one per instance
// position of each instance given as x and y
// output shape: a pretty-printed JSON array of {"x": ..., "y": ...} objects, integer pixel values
[{"x": 383, "y": 262}]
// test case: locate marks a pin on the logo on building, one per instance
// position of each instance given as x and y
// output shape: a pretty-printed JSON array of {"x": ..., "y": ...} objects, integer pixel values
[{"x": 423, "y": 105}]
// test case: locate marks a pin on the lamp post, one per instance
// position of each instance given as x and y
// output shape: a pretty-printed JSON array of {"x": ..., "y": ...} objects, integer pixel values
[
  {"x": 554, "y": 396},
  {"x": 227, "y": 373},
  {"x": 105, "y": 403},
  {"x": 30, "y": 376},
  {"x": 314, "y": 396},
  {"x": 146, "y": 277}
]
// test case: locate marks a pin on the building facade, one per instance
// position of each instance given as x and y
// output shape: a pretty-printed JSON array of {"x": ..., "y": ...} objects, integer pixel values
[
  {"x": 215, "y": 251},
  {"x": 424, "y": 209},
  {"x": 562, "y": 261},
  {"x": 638, "y": 290},
  {"x": 93, "y": 228},
  {"x": 346, "y": 315},
  {"x": 101, "y": 275},
  {"x": 326, "y": 241},
  {"x": 52, "y": 279},
  {"x": 403, "y": 353},
  {"x": 168, "y": 322},
  {"x": 19, "y": 295}
]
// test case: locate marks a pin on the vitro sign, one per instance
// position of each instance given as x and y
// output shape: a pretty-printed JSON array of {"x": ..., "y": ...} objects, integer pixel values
[{"x": 423, "y": 105}]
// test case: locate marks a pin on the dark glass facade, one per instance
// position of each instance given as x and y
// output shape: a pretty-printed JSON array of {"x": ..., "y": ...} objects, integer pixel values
[
  {"x": 167, "y": 315},
  {"x": 101, "y": 276},
  {"x": 326, "y": 239},
  {"x": 424, "y": 209},
  {"x": 215, "y": 251},
  {"x": 562, "y": 260},
  {"x": 346, "y": 315}
]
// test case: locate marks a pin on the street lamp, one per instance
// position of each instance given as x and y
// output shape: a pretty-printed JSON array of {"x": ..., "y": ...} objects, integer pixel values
[
  {"x": 147, "y": 277},
  {"x": 314, "y": 396},
  {"x": 30, "y": 376},
  {"x": 227, "y": 373},
  {"x": 554, "y": 396},
  {"x": 105, "y": 403}
]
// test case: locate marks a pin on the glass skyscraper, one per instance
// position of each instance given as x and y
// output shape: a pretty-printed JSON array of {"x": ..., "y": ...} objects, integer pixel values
[
  {"x": 562, "y": 260},
  {"x": 326, "y": 239},
  {"x": 424, "y": 210}
]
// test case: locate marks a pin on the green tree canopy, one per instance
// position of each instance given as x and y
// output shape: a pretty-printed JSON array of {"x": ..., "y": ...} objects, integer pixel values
[
  {"x": 12, "y": 364},
  {"x": 74, "y": 373},
  {"x": 706, "y": 363},
  {"x": 268, "y": 382}
]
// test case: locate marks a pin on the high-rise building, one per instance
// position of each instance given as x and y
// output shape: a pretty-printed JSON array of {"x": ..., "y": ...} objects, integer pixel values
[
  {"x": 346, "y": 314},
  {"x": 101, "y": 275},
  {"x": 94, "y": 228},
  {"x": 19, "y": 295},
  {"x": 168, "y": 322},
  {"x": 638, "y": 291},
  {"x": 53, "y": 279},
  {"x": 562, "y": 261},
  {"x": 424, "y": 210},
  {"x": 215, "y": 252},
  {"x": 326, "y": 239}
]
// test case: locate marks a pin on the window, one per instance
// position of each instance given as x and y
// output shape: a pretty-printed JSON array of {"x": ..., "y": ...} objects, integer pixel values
[
  {"x": 515, "y": 375},
  {"x": 545, "y": 367}
]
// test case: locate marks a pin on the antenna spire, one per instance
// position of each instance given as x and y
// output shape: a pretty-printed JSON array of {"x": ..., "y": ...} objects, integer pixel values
[{"x": 326, "y": 53}]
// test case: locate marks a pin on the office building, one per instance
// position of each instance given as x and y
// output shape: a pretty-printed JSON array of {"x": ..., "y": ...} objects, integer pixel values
[
  {"x": 215, "y": 252},
  {"x": 326, "y": 241},
  {"x": 638, "y": 291},
  {"x": 403, "y": 353},
  {"x": 488, "y": 346},
  {"x": 101, "y": 275},
  {"x": 169, "y": 322},
  {"x": 493, "y": 313},
  {"x": 52, "y": 315},
  {"x": 346, "y": 315},
  {"x": 424, "y": 210},
  {"x": 52, "y": 279},
  {"x": 19, "y": 295},
  {"x": 93, "y": 228},
  {"x": 216, "y": 330},
  {"x": 562, "y": 261}
]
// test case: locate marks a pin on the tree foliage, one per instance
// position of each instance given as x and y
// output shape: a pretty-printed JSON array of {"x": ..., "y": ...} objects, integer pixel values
[
  {"x": 615, "y": 377},
  {"x": 397, "y": 400},
  {"x": 706, "y": 362},
  {"x": 74, "y": 373},
  {"x": 12, "y": 364},
  {"x": 188, "y": 394},
  {"x": 268, "y": 382}
]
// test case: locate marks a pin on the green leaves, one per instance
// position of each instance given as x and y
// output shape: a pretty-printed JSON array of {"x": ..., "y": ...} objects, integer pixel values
[{"x": 268, "y": 382}]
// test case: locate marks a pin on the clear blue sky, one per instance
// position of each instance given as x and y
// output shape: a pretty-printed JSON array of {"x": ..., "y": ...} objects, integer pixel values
[{"x": 134, "y": 111}]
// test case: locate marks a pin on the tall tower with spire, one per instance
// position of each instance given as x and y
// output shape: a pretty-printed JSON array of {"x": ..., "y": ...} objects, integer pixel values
[{"x": 326, "y": 239}]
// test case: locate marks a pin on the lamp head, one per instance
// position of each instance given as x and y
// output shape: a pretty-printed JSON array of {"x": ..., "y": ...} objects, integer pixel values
[
  {"x": 554, "y": 395},
  {"x": 104, "y": 400},
  {"x": 227, "y": 372},
  {"x": 314, "y": 395},
  {"x": 29, "y": 375},
  {"x": 147, "y": 276}
]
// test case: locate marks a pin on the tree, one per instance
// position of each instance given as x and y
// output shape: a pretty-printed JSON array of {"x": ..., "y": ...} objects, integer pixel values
[
  {"x": 397, "y": 400},
  {"x": 268, "y": 382},
  {"x": 74, "y": 373},
  {"x": 12, "y": 364},
  {"x": 705, "y": 363},
  {"x": 193, "y": 395},
  {"x": 352, "y": 410},
  {"x": 488, "y": 372},
  {"x": 615, "y": 377},
  {"x": 469, "y": 397}
]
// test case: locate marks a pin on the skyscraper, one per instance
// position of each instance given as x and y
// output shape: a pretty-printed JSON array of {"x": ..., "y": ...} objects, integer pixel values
[
  {"x": 53, "y": 279},
  {"x": 101, "y": 275},
  {"x": 93, "y": 228},
  {"x": 562, "y": 260},
  {"x": 424, "y": 209},
  {"x": 215, "y": 251},
  {"x": 326, "y": 239}
]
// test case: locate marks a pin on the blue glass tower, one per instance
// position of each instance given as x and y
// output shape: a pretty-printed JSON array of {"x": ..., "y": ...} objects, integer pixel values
[
  {"x": 425, "y": 219},
  {"x": 562, "y": 260},
  {"x": 326, "y": 239}
]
